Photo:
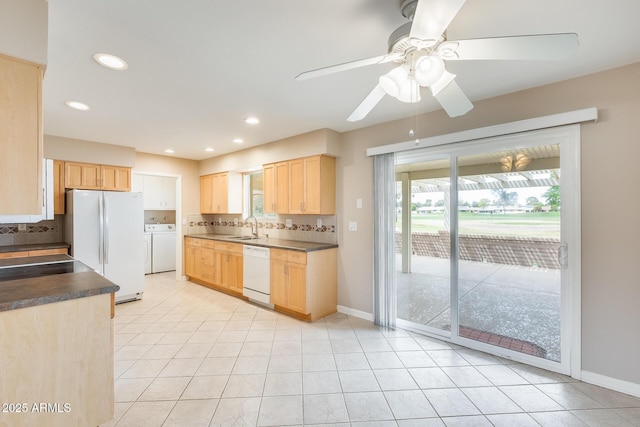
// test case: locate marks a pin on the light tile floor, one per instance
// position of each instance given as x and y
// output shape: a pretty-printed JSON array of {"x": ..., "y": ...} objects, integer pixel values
[{"x": 189, "y": 356}]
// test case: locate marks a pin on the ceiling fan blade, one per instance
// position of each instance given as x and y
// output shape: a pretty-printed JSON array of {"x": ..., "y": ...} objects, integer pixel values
[
  {"x": 367, "y": 104},
  {"x": 453, "y": 100},
  {"x": 432, "y": 18},
  {"x": 348, "y": 66},
  {"x": 543, "y": 46}
]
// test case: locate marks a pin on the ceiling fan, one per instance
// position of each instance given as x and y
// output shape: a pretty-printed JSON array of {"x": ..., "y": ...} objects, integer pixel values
[{"x": 420, "y": 47}]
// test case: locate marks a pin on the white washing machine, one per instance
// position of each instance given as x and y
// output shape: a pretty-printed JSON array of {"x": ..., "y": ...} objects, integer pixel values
[{"x": 163, "y": 247}]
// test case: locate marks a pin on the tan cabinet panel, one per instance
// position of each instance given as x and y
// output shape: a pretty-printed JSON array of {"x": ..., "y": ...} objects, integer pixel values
[
  {"x": 88, "y": 176},
  {"x": 304, "y": 186},
  {"x": 296, "y": 186},
  {"x": 206, "y": 194},
  {"x": 269, "y": 188},
  {"x": 207, "y": 265},
  {"x": 83, "y": 176},
  {"x": 282, "y": 187},
  {"x": 235, "y": 272},
  {"x": 20, "y": 137},
  {"x": 297, "y": 287},
  {"x": 279, "y": 285},
  {"x": 276, "y": 187},
  {"x": 115, "y": 178}
]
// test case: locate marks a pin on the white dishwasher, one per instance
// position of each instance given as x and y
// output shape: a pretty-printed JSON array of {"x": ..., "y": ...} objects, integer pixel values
[
  {"x": 256, "y": 262},
  {"x": 163, "y": 246}
]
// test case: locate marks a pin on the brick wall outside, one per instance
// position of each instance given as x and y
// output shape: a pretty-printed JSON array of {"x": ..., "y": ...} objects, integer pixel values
[{"x": 509, "y": 250}]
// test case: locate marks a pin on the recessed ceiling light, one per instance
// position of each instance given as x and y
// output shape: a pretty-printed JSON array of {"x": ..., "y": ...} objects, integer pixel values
[
  {"x": 76, "y": 105},
  {"x": 208, "y": 149},
  {"x": 238, "y": 140},
  {"x": 252, "y": 120},
  {"x": 169, "y": 150},
  {"x": 111, "y": 61}
]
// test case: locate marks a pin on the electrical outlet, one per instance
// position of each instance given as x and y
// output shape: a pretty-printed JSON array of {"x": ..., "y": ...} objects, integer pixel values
[
  {"x": 22, "y": 227},
  {"x": 235, "y": 221},
  {"x": 288, "y": 223},
  {"x": 319, "y": 223},
  {"x": 359, "y": 203},
  {"x": 353, "y": 226}
]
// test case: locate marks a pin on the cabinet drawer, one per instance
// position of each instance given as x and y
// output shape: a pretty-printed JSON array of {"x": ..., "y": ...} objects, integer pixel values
[
  {"x": 190, "y": 241},
  {"x": 207, "y": 243},
  {"x": 297, "y": 257},
  {"x": 7, "y": 255},
  {"x": 279, "y": 254},
  {"x": 235, "y": 248}
]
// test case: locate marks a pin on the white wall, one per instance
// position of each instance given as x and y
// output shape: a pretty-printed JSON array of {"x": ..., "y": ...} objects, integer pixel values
[{"x": 23, "y": 29}]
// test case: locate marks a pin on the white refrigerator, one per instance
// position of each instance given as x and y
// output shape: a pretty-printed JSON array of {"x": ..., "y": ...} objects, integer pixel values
[{"x": 106, "y": 232}]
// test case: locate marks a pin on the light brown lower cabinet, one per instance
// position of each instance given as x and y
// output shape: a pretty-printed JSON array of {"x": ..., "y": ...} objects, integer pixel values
[
  {"x": 58, "y": 355},
  {"x": 228, "y": 262},
  {"x": 214, "y": 264},
  {"x": 303, "y": 284}
]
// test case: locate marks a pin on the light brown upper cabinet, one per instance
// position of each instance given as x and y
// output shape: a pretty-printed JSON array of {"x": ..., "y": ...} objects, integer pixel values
[
  {"x": 115, "y": 178},
  {"x": 87, "y": 176},
  {"x": 20, "y": 137},
  {"x": 301, "y": 186},
  {"x": 221, "y": 193},
  {"x": 275, "y": 178},
  {"x": 312, "y": 185}
]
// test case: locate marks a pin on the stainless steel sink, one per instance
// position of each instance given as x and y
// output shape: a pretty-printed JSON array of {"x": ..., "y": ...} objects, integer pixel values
[{"x": 244, "y": 238}]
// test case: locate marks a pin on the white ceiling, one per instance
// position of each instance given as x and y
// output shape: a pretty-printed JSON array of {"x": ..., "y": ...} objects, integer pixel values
[{"x": 198, "y": 68}]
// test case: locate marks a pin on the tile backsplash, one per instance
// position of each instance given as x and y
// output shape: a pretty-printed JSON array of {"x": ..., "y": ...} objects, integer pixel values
[
  {"x": 303, "y": 227},
  {"x": 50, "y": 231}
]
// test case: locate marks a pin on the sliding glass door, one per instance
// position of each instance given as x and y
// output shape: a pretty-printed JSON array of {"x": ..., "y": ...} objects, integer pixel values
[
  {"x": 485, "y": 262},
  {"x": 422, "y": 237}
]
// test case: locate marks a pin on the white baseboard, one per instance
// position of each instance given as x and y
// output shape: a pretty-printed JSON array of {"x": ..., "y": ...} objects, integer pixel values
[
  {"x": 611, "y": 383},
  {"x": 355, "y": 313}
]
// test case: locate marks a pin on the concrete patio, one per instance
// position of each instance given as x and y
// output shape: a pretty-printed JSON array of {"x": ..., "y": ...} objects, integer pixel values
[{"x": 512, "y": 302}]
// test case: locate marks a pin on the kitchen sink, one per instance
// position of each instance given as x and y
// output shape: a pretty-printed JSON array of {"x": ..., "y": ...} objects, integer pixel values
[{"x": 244, "y": 238}]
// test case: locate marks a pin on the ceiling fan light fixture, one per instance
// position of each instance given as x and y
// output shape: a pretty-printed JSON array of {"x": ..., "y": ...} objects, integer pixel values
[
  {"x": 409, "y": 92},
  {"x": 428, "y": 69},
  {"x": 393, "y": 81}
]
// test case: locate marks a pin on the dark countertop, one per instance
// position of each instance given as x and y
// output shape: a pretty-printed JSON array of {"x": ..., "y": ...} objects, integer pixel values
[
  {"x": 60, "y": 278},
  {"x": 294, "y": 245},
  {"x": 33, "y": 247}
]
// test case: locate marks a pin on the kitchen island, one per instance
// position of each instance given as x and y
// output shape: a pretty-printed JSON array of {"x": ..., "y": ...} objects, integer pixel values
[{"x": 56, "y": 336}]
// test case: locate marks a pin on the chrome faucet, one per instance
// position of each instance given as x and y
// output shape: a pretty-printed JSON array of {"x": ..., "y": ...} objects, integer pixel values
[{"x": 254, "y": 233}]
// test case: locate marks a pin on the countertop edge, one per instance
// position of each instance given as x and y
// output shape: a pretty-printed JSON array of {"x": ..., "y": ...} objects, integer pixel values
[
  {"x": 49, "y": 299},
  {"x": 277, "y": 243},
  {"x": 47, "y": 289}
]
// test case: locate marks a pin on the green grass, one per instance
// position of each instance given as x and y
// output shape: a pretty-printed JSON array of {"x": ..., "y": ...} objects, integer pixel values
[{"x": 534, "y": 224}]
